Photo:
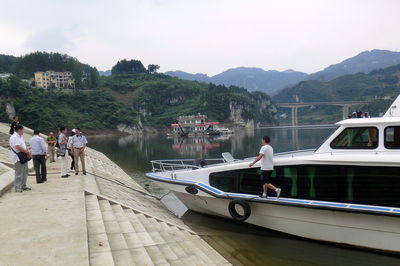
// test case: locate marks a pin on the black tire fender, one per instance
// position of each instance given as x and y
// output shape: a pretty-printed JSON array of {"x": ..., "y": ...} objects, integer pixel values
[{"x": 246, "y": 209}]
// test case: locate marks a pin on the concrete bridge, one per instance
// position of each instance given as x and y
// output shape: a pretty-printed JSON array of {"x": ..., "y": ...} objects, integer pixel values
[{"x": 294, "y": 106}]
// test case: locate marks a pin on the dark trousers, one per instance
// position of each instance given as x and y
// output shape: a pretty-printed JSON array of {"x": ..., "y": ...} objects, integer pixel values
[
  {"x": 73, "y": 159},
  {"x": 39, "y": 163}
]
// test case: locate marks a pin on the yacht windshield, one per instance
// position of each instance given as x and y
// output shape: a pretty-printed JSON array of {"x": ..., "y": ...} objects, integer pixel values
[{"x": 356, "y": 138}]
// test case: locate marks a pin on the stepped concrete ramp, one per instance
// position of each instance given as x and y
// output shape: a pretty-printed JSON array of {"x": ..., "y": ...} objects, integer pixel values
[
  {"x": 44, "y": 226},
  {"x": 103, "y": 218}
]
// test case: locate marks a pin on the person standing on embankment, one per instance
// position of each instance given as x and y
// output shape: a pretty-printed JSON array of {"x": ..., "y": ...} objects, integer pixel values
[
  {"x": 51, "y": 142},
  {"x": 38, "y": 147},
  {"x": 62, "y": 151},
  {"x": 78, "y": 145},
  {"x": 18, "y": 151}
]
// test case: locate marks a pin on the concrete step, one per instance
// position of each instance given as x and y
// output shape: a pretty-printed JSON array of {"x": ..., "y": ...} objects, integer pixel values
[
  {"x": 99, "y": 245},
  {"x": 134, "y": 238},
  {"x": 135, "y": 222},
  {"x": 141, "y": 257},
  {"x": 156, "y": 255}
]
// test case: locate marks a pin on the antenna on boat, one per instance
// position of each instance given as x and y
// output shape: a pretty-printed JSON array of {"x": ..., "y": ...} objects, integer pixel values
[{"x": 393, "y": 111}]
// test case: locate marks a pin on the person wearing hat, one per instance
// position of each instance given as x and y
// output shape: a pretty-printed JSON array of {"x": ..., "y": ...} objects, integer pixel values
[{"x": 78, "y": 145}]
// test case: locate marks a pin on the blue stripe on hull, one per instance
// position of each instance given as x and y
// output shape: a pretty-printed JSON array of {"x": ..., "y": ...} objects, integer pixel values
[{"x": 221, "y": 194}]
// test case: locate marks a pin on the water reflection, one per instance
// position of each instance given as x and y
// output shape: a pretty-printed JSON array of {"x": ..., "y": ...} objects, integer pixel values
[
  {"x": 194, "y": 145},
  {"x": 134, "y": 152},
  {"x": 248, "y": 244}
]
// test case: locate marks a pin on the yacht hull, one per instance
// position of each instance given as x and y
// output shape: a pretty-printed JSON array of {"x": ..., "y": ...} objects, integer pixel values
[{"x": 365, "y": 230}]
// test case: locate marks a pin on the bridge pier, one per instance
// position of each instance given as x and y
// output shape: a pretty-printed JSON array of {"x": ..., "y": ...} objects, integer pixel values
[
  {"x": 345, "y": 109},
  {"x": 294, "y": 116},
  {"x": 294, "y": 106}
]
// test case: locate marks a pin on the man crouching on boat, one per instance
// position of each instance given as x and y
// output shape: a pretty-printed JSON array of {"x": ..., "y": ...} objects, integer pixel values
[{"x": 267, "y": 166}]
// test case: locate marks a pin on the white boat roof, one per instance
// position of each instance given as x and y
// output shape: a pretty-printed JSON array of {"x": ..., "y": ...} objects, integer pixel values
[{"x": 369, "y": 121}]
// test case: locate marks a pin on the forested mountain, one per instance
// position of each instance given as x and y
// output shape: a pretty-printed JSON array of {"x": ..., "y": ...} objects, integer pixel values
[
  {"x": 253, "y": 79},
  {"x": 273, "y": 81},
  {"x": 24, "y": 67},
  {"x": 135, "y": 100},
  {"x": 7, "y": 63},
  {"x": 50, "y": 109},
  {"x": 160, "y": 99},
  {"x": 364, "y": 62},
  {"x": 188, "y": 76},
  {"x": 360, "y": 86}
]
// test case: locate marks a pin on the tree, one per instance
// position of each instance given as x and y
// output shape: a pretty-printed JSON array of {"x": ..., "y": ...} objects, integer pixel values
[
  {"x": 128, "y": 67},
  {"x": 152, "y": 68}
]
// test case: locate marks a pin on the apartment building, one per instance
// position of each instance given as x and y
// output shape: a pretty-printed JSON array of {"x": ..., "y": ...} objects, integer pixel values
[{"x": 59, "y": 80}]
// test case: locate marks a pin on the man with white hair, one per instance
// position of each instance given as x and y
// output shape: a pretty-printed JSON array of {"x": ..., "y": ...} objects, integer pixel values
[{"x": 78, "y": 145}]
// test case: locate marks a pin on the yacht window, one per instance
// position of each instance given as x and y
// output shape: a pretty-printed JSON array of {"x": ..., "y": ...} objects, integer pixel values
[
  {"x": 372, "y": 185},
  {"x": 356, "y": 138},
  {"x": 323, "y": 182},
  {"x": 392, "y": 137},
  {"x": 224, "y": 181}
]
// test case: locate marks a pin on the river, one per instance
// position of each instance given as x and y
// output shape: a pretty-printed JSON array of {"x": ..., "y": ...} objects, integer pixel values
[{"x": 245, "y": 244}]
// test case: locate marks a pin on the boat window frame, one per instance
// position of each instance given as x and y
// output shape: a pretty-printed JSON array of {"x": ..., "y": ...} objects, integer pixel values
[
  {"x": 357, "y": 148},
  {"x": 384, "y": 137}
]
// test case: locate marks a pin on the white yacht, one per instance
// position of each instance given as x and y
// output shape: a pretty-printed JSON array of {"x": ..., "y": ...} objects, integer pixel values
[{"x": 347, "y": 191}]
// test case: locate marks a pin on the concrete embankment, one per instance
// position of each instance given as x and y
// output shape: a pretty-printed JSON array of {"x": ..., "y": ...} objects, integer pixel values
[{"x": 103, "y": 218}]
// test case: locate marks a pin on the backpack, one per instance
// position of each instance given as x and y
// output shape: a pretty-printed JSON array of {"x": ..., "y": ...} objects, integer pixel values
[{"x": 57, "y": 144}]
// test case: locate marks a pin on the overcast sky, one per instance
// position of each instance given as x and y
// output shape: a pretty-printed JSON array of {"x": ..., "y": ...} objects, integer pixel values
[{"x": 202, "y": 36}]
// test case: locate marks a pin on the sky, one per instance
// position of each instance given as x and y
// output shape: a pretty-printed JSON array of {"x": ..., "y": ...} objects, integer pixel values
[{"x": 202, "y": 36}]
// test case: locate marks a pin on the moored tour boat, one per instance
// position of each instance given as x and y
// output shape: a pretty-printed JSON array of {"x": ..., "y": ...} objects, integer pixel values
[{"x": 347, "y": 191}]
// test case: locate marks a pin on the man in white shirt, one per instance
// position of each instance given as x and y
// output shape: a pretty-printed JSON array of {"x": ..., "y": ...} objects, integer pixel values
[
  {"x": 17, "y": 144},
  {"x": 78, "y": 145},
  {"x": 38, "y": 148},
  {"x": 267, "y": 166},
  {"x": 62, "y": 141}
]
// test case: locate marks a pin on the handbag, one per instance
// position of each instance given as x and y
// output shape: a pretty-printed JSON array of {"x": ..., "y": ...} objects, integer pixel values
[
  {"x": 61, "y": 151},
  {"x": 22, "y": 156}
]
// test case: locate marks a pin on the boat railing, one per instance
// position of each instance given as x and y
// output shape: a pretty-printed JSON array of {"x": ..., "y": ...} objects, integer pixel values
[
  {"x": 286, "y": 153},
  {"x": 182, "y": 164},
  {"x": 294, "y": 152},
  {"x": 191, "y": 164}
]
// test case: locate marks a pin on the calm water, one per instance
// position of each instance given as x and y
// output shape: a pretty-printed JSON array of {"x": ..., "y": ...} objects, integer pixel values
[{"x": 246, "y": 244}]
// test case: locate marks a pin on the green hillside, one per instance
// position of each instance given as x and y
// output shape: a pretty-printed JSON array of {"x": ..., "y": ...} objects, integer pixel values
[
  {"x": 379, "y": 87},
  {"x": 160, "y": 99},
  {"x": 345, "y": 88},
  {"x": 137, "y": 99},
  {"x": 49, "y": 109},
  {"x": 24, "y": 67}
]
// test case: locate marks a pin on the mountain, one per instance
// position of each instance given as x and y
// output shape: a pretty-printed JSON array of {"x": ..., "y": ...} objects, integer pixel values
[
  {"x": 272, "y": 81},
  {"x": 188, "y": 76},
  {"x": 376, "y": 84},
  {"x": 160, "y": 99},
  {"x": 7, "y": 62},
  {"x": 105, "y": 73},
  {"x": 253, "y": 79},
  {"x": 364, "y": 62},
  {"x": 125, "y": 101},
  {"x": 25, "y": 66}
]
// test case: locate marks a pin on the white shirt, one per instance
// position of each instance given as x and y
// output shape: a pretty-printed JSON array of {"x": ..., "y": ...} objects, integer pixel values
[
  {"x": 69, "y": 142},
  {"x": 38, "y": 145},
  {"x": 266, "y": 161},
  {"x": 16, "y": 140},
  {"x": 78, "y": 141},
  {"x": 61, "y": 138}
]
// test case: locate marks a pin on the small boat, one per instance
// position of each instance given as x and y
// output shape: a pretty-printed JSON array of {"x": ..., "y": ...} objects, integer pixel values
[
  {"x": 197, "y": 125},
  {"x": 346, "y": 191}
]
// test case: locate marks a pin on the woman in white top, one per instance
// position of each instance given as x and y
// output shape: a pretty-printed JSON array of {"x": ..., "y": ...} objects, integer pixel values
[{"x": 70, "y": 151}]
